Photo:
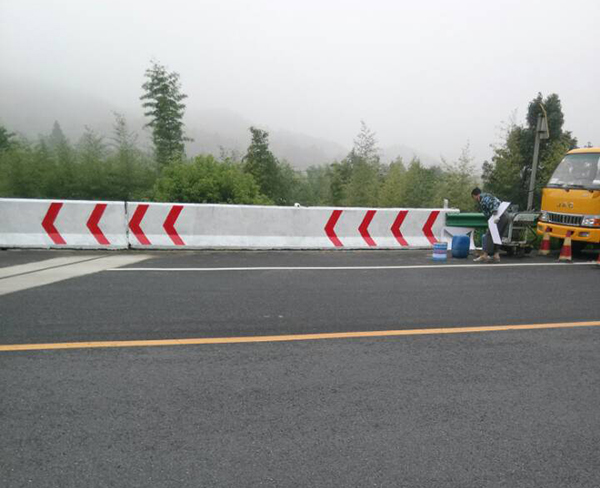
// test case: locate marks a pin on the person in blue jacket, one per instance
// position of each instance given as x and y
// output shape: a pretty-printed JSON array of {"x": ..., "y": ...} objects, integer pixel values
[{"x": 489, "y": 206}]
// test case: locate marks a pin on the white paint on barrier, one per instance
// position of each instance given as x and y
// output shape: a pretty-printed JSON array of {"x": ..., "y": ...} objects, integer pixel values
[
  {"x": 117, "y": 225},
  {"x": 160, "y": 225},
  {"x": 62, "y": 224}
]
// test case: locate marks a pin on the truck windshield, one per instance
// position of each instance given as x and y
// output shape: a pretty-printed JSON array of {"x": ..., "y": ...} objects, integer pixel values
[{"x": 577, "y": 171}]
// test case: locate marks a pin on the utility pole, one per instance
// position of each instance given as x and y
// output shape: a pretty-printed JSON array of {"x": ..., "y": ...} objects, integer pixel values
[{"x": 541, "y": 132}]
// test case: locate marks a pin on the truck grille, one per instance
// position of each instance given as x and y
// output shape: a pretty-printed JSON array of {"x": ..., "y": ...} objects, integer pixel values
[{"x": 567, "y": 219}]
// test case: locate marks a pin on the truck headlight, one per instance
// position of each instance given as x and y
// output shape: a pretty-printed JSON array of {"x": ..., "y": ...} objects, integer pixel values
[
  {"x": 544, "y": 217},
  {"x": 591, "y": 221}
]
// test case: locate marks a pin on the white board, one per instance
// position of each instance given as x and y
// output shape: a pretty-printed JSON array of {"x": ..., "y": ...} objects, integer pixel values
[{"x": 492, "y": 225}]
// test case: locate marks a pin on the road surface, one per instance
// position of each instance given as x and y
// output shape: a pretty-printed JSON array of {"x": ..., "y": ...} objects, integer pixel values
[{"x": 286, "y": 396}]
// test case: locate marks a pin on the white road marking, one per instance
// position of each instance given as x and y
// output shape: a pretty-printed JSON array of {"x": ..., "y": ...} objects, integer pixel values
[
  {"x": 45, "y": 264},
  {"x": 73, "y": 268},
  {"x": 358, "y": 268}
]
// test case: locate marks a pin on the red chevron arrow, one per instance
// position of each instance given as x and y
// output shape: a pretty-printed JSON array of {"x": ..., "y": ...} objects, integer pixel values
[
  {"x": 169, "y": 225},
  {"x": 92, "y": 224},
  {"x": 136, "y": 220},
  {"x": 48, "y": 223},
  {"x": 330, "y": 226},
  {"x": 396, "y": 227},
  {"x": 364, "y": 228},
  {"x": 429, "y": 224}
]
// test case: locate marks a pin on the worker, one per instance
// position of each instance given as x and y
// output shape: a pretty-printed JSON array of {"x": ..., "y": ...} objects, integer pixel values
[{"x": 489, "y": 206}]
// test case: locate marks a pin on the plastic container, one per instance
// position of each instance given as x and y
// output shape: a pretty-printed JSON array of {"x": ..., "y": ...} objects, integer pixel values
[
  {"x": 440, "y": 251},
  {"x": 460, "y": 246}
]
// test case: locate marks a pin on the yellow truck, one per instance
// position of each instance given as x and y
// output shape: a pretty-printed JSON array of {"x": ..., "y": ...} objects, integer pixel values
[{"x": 571, "y": 199}]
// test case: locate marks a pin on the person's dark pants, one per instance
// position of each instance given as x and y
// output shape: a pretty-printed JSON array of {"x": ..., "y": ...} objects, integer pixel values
[{"x": 490, "y": 247}]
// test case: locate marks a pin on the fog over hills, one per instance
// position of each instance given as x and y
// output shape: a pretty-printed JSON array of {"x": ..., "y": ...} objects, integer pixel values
[
  {"x": 30, "y": 108},
  {"x": 215, "y": 129}
]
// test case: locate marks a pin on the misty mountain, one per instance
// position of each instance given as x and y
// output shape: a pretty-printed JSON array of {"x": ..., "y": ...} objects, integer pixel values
[
  {"x": 30, "y": 108},
  {"x": 213, "y": 130}
]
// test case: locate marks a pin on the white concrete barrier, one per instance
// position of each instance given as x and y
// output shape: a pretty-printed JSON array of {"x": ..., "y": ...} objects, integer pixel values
[
  {"x": 200, "y": 226},
  {"x": 117, "y": 225},
  {"x": 62, "y": 224}
]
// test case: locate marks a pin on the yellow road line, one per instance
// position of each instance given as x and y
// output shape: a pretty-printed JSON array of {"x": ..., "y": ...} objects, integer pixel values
[{"x": 295, "y": 337}]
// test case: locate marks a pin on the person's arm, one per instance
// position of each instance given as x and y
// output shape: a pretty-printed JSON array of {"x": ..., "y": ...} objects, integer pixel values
[
  {"x": 486, "y": 206},
  {"x": 494, "y": 205}
]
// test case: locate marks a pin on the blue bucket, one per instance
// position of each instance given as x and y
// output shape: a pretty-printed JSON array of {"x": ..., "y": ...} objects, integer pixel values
[
  {"x": 440, "y": 251},
  {"x": 460, "y": 246}
]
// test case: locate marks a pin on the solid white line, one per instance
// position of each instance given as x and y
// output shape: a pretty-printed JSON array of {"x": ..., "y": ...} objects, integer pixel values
[{"x": 357, "y": 268}]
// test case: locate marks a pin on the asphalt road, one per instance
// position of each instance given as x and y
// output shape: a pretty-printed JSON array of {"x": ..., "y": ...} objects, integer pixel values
[{"x": 505, "y": 408}]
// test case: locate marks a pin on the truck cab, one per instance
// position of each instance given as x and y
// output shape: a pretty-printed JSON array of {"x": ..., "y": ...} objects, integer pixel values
[{"x": 571, "y": 199}]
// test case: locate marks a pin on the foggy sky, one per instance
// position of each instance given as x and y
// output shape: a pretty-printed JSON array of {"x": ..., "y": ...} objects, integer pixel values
[{"x": 430, "y": 74}]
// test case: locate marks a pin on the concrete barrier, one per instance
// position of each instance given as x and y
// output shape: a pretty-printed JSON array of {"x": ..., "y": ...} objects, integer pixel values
[
  {"x": 200, "y": 226},
  {"x": 118, "y": 225},
  {"x": 62, "y": 224}
]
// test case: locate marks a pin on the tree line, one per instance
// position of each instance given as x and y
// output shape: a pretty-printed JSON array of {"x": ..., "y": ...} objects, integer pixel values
[{"x": 114, "y": 167}]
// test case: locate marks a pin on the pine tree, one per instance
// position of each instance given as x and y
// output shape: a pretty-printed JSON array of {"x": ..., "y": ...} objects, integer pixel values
[
  {"x": 163, "y": 102},
  {"x": 391, "y": 191},
  {"x": 365, "y": 145},
  {"x": 6, "y": 139},
  {"x": 457, "y": 182},
  {"x": 62, "y": 169},
  {"x": 92, "y": 168},
  {"x": 419, "y": 185},
  {"x": 57, "y": 141},
  {"x": 132, "y": 172},
  {"x": 124, "y": 144},
  {"x": 362, "y": 189},
  {"x": 339, "y": 176},
  {"x": 260, "y": 162},
  {"x": 318, "y": 182}
]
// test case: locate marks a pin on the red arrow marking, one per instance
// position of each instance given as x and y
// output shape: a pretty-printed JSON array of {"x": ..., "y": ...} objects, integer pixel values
[
  {"x": 169, "y": 225},
  {"x": 364, "y": 228},
  {"x": 92, "y": 224},
  {"x": 48, "y": 223},
  {"x": 136, "y": 220},
  {"x": 429, "y": 224},
  {"x": 396, "y": 227},
  {"x": 330, "y": 226}
]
